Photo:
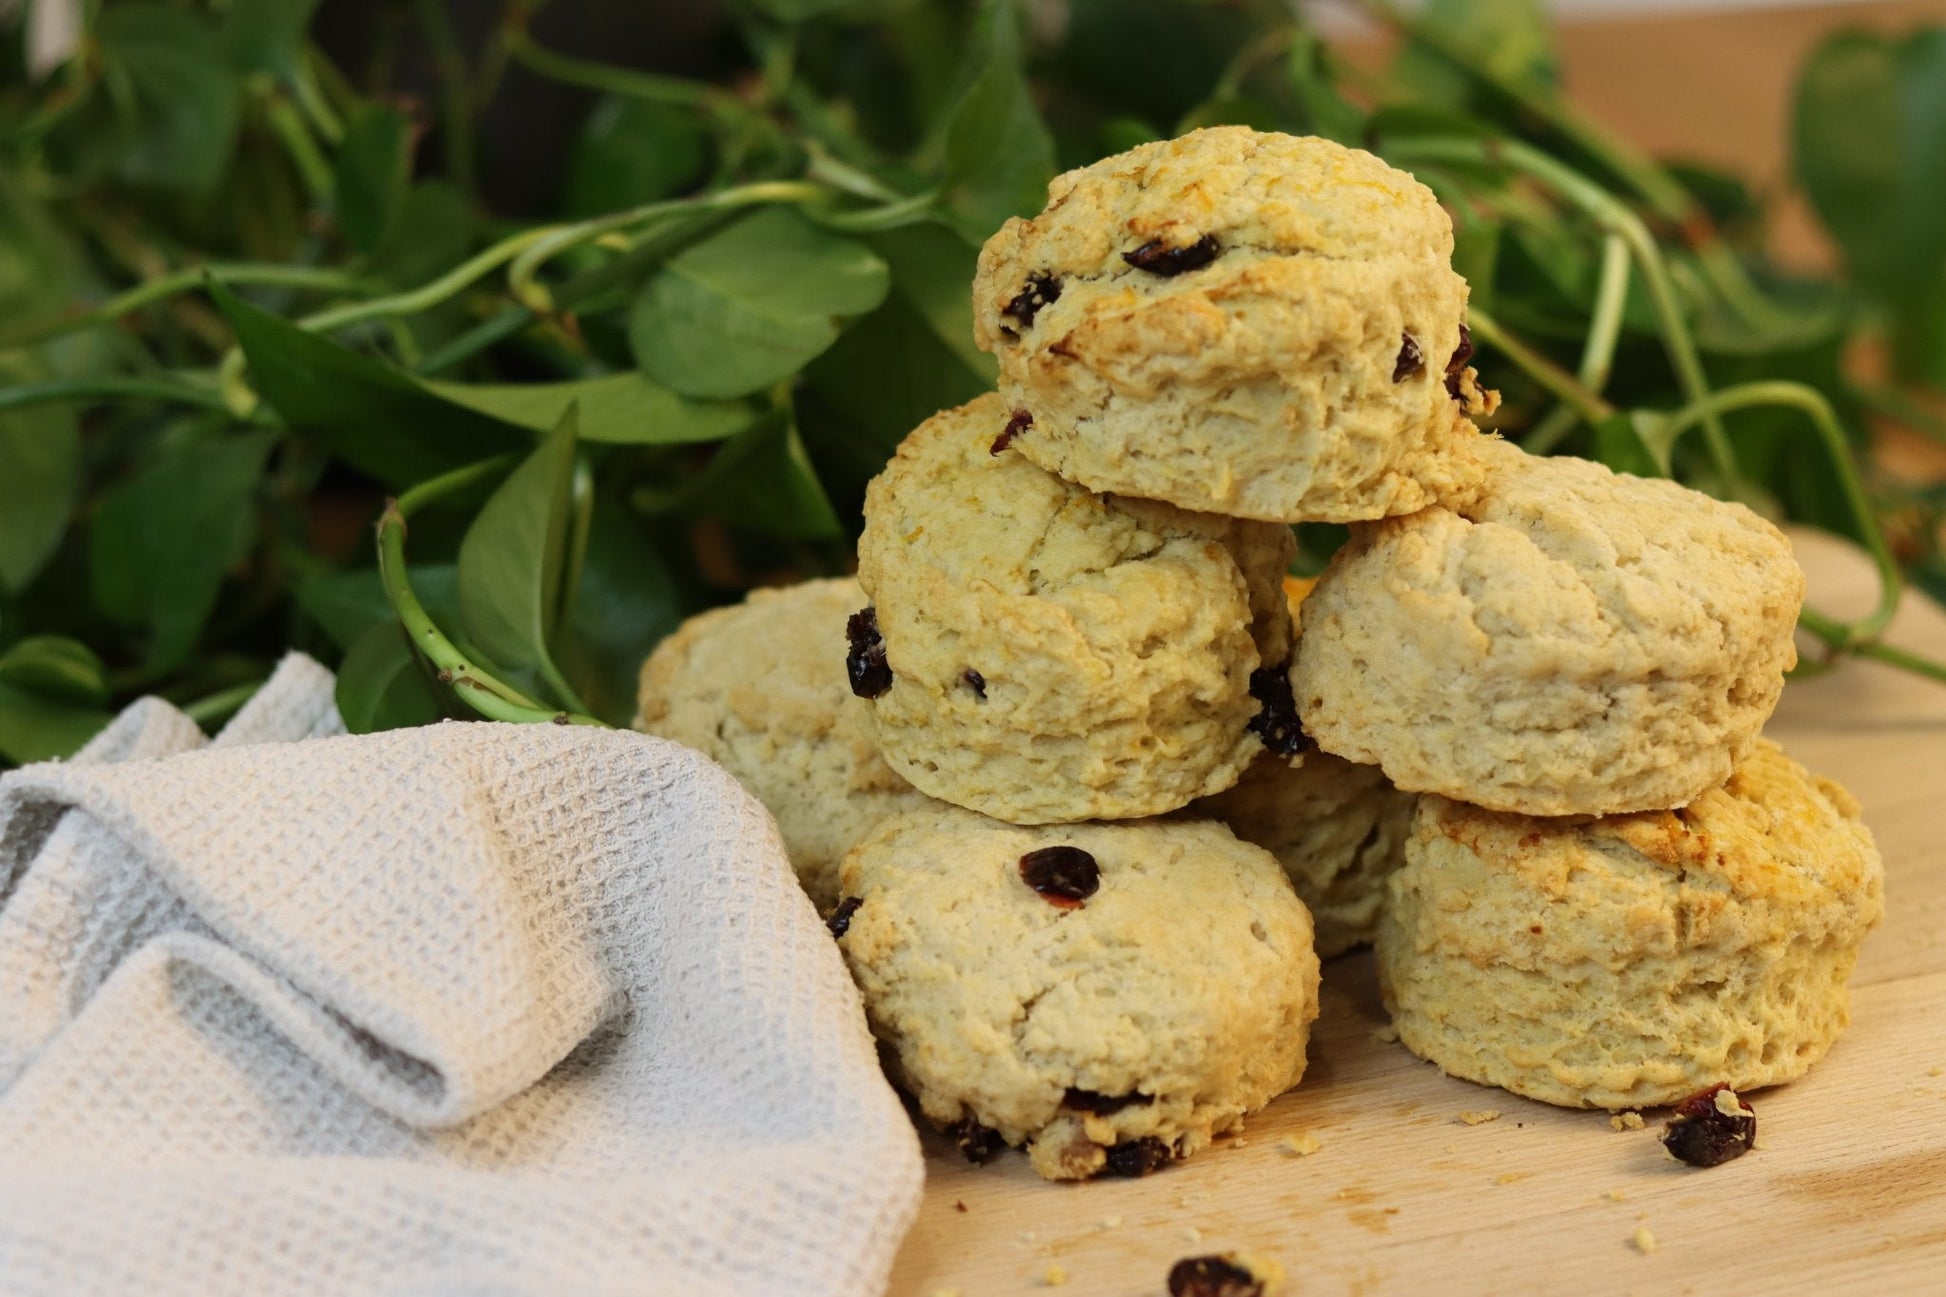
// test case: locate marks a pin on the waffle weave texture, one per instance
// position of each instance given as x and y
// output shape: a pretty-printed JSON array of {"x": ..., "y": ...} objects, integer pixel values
[{"x": 471, "y": 1009}]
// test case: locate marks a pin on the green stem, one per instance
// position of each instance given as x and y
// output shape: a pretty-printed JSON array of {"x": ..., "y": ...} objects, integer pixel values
[
  {"x": 108, "y": 389},
  {"x": 479, "y": 690},
  {"x": 311, "y": 98},
  {"x": 1812, "y": 403},
  {"x": 221, "y": 705},
  {"x": 428, "y": 295},
  {"x": 1665, "y": 196},
  {"x": 498, "y": 327},
  {"x": 1898, "y": 657},
  {"x": 1611, "y": 295},
  {"x": 456, "y": 102},
  {"x": 1597, "y": 353},
  {"x": 1549, "y": 375},
  {"x": 889, "y": 217},
  {"x": 184, "y": 280},
  {"x": 554, "y": 240},
  {"x": 291, "y": 129},
  {"x": 827, "y": 168},
  {"x": 1615, "y": 218},
  {"x": 1543, "y": 437},
  {"x": 1270, "y": 45},
  {"x": 626, "y": 82}
]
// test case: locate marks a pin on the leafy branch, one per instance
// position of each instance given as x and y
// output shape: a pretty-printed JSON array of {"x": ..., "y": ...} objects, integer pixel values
[{"x": 246, "y": 318}]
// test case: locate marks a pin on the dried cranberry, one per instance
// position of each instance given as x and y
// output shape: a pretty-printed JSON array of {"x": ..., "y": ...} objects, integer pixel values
[
  {"x": 840, "y": 920},
  {"x": 976, "y": 682},
  {"x": 1019, "y": 423},
  {"x": 1102, "y": 1104},
  {"x": 1042, "y": 290},
  {"x": 1160, "y": 259},
  {"x": 865, "y": 664},
  {"x": 1456, "y": 367},
  {"x": 1702, "y": 1134},
  {"x": 1411, "y": 362},
  {"x": 1212, "y": 1276},
  {"x": 978, "y": 1144},
  {"x": 1134, "y": 1158},
  {"x": 1065, "y": 876},
  {"x": 1276, "y": 722}
]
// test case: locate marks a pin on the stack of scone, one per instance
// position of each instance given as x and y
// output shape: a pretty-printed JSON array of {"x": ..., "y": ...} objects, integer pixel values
[{"x": 1042, "y": 764}]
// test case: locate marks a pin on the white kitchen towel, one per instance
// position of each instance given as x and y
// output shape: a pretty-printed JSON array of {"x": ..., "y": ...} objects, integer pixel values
[{"x": 472, "y": 1009}]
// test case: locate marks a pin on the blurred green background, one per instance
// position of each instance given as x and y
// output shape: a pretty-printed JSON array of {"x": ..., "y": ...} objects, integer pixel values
[{"x": 624, "y": 303}]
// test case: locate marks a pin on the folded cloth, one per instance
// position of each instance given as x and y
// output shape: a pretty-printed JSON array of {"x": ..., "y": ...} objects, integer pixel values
[{"x": 469, "y": 1009}]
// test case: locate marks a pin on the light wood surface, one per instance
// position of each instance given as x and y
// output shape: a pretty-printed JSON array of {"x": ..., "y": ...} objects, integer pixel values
[{"x": 1845, "y": 1193}]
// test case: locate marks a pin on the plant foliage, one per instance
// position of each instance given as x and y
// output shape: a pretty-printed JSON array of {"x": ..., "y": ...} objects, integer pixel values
[{"x": 256, "y": 300}]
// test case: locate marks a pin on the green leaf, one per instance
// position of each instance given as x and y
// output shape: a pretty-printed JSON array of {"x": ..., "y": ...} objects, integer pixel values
[
  {"x": 632, "y": 152},
  {"x": 931, "y": 268},
  {"x": 163, "y": 539},
  {"x": 1153, "y": 60},
  {"x": 797, "y": 11},
  {"x": 382, "y": 684},
  {"x": 40, "y": 479},
  {"x": 751, "y": 305},
  {"x": 267, "y": 35},
  {"x": 37, "y": 728},
  {"x": 1869, "y": 135},
  {"x": 1476, "y": 253},
  {"x": 616, "y": 409},
  {"x": 1331, "y": 114},
  {"x": 432, "y": 233},
  {"x": 511, "y": 562},
  {"x": 999, "y": 154},
  {"x": 1634, "y": 441},
  {"x": 347, "y": 604},
  {"x": 763, "y": 480},
  {"x": 1510, "y": 39},
  {"x": 625, "y": 603},
  {"x": 57, "y": 668},
  {"x": 365, "y": 412},
  {"x": 178, "y": 125},
  {"x": 374, "y": 170},
  {"x": 888, "y": 374}
]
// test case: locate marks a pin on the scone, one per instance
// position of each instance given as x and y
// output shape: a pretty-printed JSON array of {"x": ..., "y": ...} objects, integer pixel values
[
  {"x": 1250, "y": 324},
  {"x": 1042, "y": 654},
  {"x": 1338, "y": 829},
  {"x": 760, "y": 689},
  {"x": 1109, "y": 996},
  {"x": 1573, "y": 642},
  {"x": 1634, "y": 959}
]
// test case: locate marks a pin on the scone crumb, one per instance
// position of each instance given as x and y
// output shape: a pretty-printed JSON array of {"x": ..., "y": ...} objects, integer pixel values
[
  {"x": 1614, "y": 1195},
  {"x": 945, "y": 1292},
  {"x": 1386, "y": 1035},
  {"x": 1299, "y": 1145},
  {"x": 1644, "y": 1241},
  {"x": 1193, "y": 1234},
  {"x": 1056, "y": 1275},
  {"x": 1508, "y": 1177},
  {"x": 1239, "y": 1142},
  {"x": 1626, "y": 1121},
  {"x": 1471, "y": 1118},
  {"x": 1111, "y": 1222}
]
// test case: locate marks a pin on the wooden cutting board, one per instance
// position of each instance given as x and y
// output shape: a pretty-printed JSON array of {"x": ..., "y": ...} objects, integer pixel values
[{"x": 1846, "y": 1191}]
